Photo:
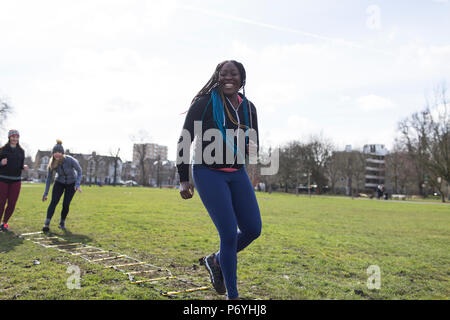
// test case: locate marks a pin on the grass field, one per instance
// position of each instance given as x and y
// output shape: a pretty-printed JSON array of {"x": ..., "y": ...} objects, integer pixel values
[{"x": 310, "y": 248}]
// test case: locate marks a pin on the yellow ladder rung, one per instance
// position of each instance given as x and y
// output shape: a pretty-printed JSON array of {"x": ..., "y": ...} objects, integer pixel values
[
  {"x": 46, "y": 238},
  {"x": 85, "y": 247},
  {"x": 44, "y": 241},
  {"x": 92, "y": 252},
  {"x": 108, "y": 258},
  {"x": 30, "y": 233},
  {"x": 187, "y": 290},
  {"x": 154, "y": 279},
  {"x": 64, "y": 245},
  {"x": 126, "y": 265},
  {"x": 196, "y": 289},
  {"x": 39, "y": 243},
  {"x": 145, "y": 271}
]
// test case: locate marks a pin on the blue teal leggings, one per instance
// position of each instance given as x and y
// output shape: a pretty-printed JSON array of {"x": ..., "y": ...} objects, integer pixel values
[{"x": 231, "y": 202}]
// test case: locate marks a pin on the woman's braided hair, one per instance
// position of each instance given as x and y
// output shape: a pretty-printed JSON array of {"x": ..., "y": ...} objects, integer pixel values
[{"x": 213, "y": 82}]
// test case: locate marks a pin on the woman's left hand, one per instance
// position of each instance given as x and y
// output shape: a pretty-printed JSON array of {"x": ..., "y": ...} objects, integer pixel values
[
  {"x": 25, "y": 167},
  {"x": 78, "y": 189}
]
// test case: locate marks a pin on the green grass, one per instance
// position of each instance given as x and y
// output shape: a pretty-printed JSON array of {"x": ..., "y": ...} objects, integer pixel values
[{"x": 310, "y": 248}]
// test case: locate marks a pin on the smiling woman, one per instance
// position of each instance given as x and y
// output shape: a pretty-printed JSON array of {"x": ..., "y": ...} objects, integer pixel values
[
  {"x": 67, "y": 182},
  {"x": 11, "y": 165},
  {"x": 224, "y": 186}
]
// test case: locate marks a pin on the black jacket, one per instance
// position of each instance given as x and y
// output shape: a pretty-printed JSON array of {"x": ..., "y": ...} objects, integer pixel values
[
  {"x": 13, "y": 168},
  {"x": 195, "y": 113}
]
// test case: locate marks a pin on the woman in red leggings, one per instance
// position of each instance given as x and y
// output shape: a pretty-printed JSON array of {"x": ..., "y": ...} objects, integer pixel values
[{"x": 11, "y": 165}]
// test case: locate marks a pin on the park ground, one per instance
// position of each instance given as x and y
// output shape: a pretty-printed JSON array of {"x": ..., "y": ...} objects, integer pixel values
[{"x": 310, "y": 248}]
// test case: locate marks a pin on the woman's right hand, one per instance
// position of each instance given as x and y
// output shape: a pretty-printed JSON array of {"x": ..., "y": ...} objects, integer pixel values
[
  {"x": 4, "y": 161},
  {"x": 44, "y": 198},
  {"x": 186, "y": 190}
]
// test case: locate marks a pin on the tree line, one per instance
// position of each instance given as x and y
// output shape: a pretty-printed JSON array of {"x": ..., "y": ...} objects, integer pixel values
[{"x": 419, "y": 162}]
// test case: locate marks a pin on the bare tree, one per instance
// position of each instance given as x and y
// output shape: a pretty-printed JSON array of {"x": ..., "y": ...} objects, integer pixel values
[
  {"x": 269, "y": 180},
  {"x": 298, "y": 163},
  {"x": 140, "y": 151},
  {"x": 116, "y": 164},
  {"x": 425, "y": 135},
  {"x": 400, "y": 170},
  {"x": 304, "y": 161},
  {"x": 140, "y": 154},
  {"x": 5, "y": 110},
  {"x": 351, "y": 167},
  {"x": 318, "y": 153},
  {"x": 332, "y": 169},
  {"x": 439, "y": 161},
  {"x": 359, "y": 171},
  {"x": 290, "y": 159},
  {"x": 414, "y": 133},
  {"x": 93, "y": 167},
  {"x": 341, "y": 165}
]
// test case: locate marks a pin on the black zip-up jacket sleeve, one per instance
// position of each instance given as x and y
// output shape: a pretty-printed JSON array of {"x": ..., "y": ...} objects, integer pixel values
[
  {"x": 255, "y": 125},
  {"x": 16, "y": 158},
  {"x": 195, "y": 113}
]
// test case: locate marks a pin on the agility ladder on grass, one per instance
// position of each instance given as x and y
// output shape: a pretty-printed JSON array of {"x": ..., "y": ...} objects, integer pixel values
[{"x": 121, "y": 262}]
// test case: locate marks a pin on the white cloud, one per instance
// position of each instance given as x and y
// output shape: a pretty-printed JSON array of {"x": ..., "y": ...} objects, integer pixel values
[
  {"x": 115, "y": 67},
  {"x": 159, "y": 12},
  {"x": 374, "y": 103},
  {"x": 295, "y": 127}
]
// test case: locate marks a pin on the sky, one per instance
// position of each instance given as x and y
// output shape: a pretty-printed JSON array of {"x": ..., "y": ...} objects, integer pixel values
[{"x": 103, "y": 74}]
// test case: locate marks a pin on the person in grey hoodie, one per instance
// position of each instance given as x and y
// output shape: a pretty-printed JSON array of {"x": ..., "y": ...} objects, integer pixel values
[{"x": 67, "y": 181}]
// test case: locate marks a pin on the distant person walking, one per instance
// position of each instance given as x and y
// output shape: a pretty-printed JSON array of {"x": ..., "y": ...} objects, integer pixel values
[
  {"x": 380, "y": 191},
  {"x": 224, "y": 186},
  {"x": 67, "y": 181},
  {"x": 12, "y": 157}
]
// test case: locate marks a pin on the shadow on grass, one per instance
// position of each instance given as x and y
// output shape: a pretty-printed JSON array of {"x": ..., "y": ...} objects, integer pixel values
[
  {"x": 8, "y": 241},
  {"x": 72, "y": 237}
]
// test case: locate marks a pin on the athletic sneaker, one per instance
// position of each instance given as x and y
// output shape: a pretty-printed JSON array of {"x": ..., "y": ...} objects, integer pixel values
[
  {"x": 46, "y": 228},
  {"x": 215, "y": 273},
  {"x": 62, "y": 227},
  {"x": 4, "y": 227}
]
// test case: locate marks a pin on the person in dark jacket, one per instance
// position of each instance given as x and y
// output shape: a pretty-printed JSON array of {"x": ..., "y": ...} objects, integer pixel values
[
  {"x": 67, "y": 181},
  {"x": 12, "y": 157},
  {"x": 225, "y": 123},
  {"x": 380, "y": 191}
]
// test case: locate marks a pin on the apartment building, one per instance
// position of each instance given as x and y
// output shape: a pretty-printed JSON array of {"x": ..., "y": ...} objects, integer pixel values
[{"x": 375, "y": 165}]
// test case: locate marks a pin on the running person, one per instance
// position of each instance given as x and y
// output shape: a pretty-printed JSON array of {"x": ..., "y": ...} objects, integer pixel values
[
  {"x": 12, "y": 157},
  {"x": 224, "y": 186},
  {"x": 67, "y": 181}
]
